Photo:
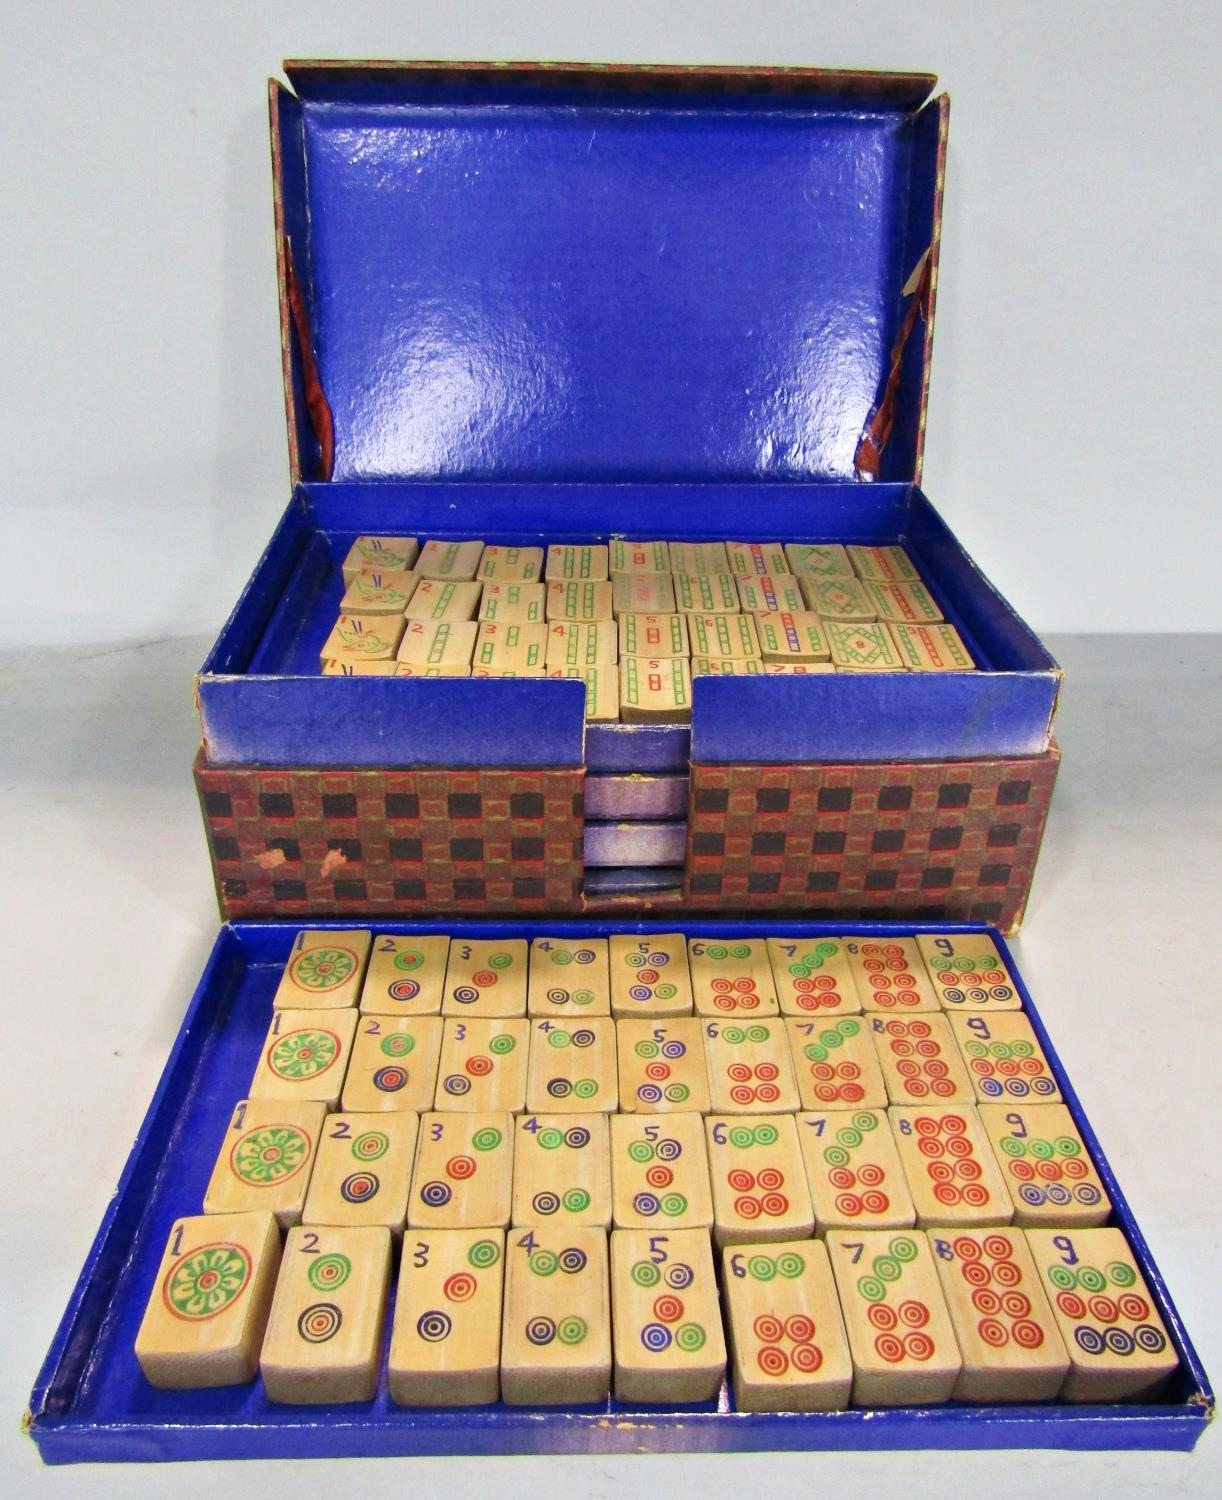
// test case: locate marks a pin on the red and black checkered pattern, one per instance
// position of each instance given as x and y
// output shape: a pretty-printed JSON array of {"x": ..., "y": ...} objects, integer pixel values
[
  {"x": 937, "y": 841},
  {"x": 292, "y": 842}
]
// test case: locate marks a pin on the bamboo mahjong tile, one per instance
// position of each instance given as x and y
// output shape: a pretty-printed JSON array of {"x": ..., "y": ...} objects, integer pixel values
[
  {"x": 656, "y": 635},
  {"x": 562, "y": 1170},
  {"x": 882, "y": 564},
  {"x": 707, "y": 593},
  {"x": 835, "y": 1062},
  {"x": 510, "y": 565},
  {"x": 519, "y": 671},
  {"x": 649, "y": 975},
  {"x": 797, "y": 668},
  {"x": 949, "y": 1166},
  {"x": 792, "y": 636},
  {"x": 208, "y": 1305},
  {"x": 437, "y": 599},
  {"x": 749, "y": 1065},
  {"x": 483, "y": 1064},
  {"x": 393, "y": 1064},
  {"x": 406, "y": 976},
  {"x": 572, "y": 644},
  {"x": 513, "y": 603},
  {"x": 967, "y": 971},
  {"x": 899, "y": 1327},
  {"x": 731, "y": 637},
  {"x": 572, "y": 1065},
  {"x": 762, "y": 593},
  {"x": 841, "y": 599},
  {"x": 445, "y": 669},
  {"x": 931, "y": 648},
  {"x": 818, "y": 560},
  {"x": 862, "y": 648},
  {"x": 812, "y": 974},
  {"x": 853, "y": 1171},
  {"x": 324, "y": 971},
  {"x": 486, "y": 977},
  {"x": 1004, "y": 1059},
  {"x": 905, "y": 603},
  {"x": 265, "y": 1159},
  {"x": 698, "y": 557},
  {"x": 920, "y": 1060},
  {"x": 356, "y": 638},
  {"x": 499, "y": 644},
  {"x": 1005, "y": 1329},
  {"x": 716, "y": 666},
  {"x": 359, "y": 669},
  {"x": 625, "y": 556},
  {"x": 890, "y": 975},
  {"x": 669, "y": 1342},
  {"x": 642, "y": 593},
  {"x": 439, "y": 643},
  {"x": 577, "y": 564},
  {"x": 324, "y": 1332},
  {"x": 1117, "y": 1342},
  {"x": 450, "y": 562},
  {"x": 788, "y": 1346},
  {"x": 556, "y": 1332},
  {"x": 379, "y": 593},
  {"x": 583, "y": 603},
  {"x": 568, "y": 977},
  {"x": 363, "y": 1171},
  {"x": 653, "y": 691},
  {"x": 463, "y": 1173},
  {"x": 758, "y": 1179},
  {"x": 602, "y": 690},
  {"x": 305, "y": 1055},
  {"x": 445, "y": 1346},
  {"x": 388, "y": 554},
  {"x": 662, "y": 1066},
  {"x": 757, "y": 557},
  {"x": 731, "y": 976},
  {"x": 660, "y": 1173},
  {"x": 1048, "y": 1170}
]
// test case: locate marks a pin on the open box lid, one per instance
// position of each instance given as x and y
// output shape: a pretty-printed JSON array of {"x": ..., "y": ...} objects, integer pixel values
[{"x": 578, "y": 273}]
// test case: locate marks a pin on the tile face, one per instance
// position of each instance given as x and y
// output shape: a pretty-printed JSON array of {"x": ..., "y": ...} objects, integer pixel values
[
  {"x": 439, "y": 643},
  {"x": 379, "y": 593},
  {"x": 853, "y": 1171},
  {"x": 905, "y": 603},
  {"x": 208, "y": 1306},
  {"x": 356, "y": 638},
  {"x": 792, "y": 636},
  {"x": 577, "y": 563},
  {"x": 900, "y": 1332},
  {"x": 835, "y": 1063},
  {"x": 409, "y": 669},
  {"x": 305, "y": 1055},
  {"x": 500, "y": 644},
  {"x": 882, "y": 564},
  {"x": 731, "y": 976},
  {"x": 731, "y": 637},
  {"x": 642, "y": 594},
  {"x": 698, "y": 557},
  {"x": 572, "y": 644},
  {"x": 435, "y": 600},
  {"x": 463, "y": 1174},
  {"x": 602, "y": 690},
  {"x": 949, "y": 1166},
  {"x": 580, "y": 602},
  {"x": 707, "y": 594},
  {"x": 393, "y": 1064},
  {"x": 716, "y": 666},
  {"x": 445, "y": 1349},
  {"x": 759, "y": 558},
  {"x": 390, "y": 554},
  {"x": 655, "y": 635},
  {"x": 359, "y": 669},
  {"x": 510, "y": 565},
  {"x": 406, "y": 976},
  {"x": 862, "y": 648},
  {"x": 512, "y": 603},
  {"x": 483, "y": 1064},
  {"x": 967, "y": 972},
  {"x": 1117, "y": 1342},
  {"x": 572, "y": 1065},
  {"x": 769, "y": 592},
  {"x": 890, "y": 975},
  {"x": 324, "y": 971},
  {"x": 486, "y": 977},
  {"x": 562, "y": 1170},
  {"x": 931, "y": 648},
  {"x": 841, "y": 599},
  {"x": 363, "y": 1171},
  {"x": 662, "y": 1067},
  {"x": 789, "y": 1348},
  {"x": 450, "y": 562},
  {"x": 649, "y": 975},
  {"x": 655, "y": 691},
  {"x": 1004, "y": 1059},
  {"x": 1047, "y": 1168},
  {"x": 556, "y": 1334},
  {"x": 265, "y": 1159},
  {"x": 797, "y": 668},
  {"x": 919, "y": 1060},
  {"x": 1004, "y": 1327},
  {"x": 637, "y": 558},
  {"x": 818, "y": 560},
  {"x": 660, "y": 1173},
  {"x": 812, "y": 976},
  {"x": 324, "y": 1334},
  {"x": 749, "y": 1065},
  {"x": 568, "y": 977},
  {"x": 669, "y": 1344},
  {"x": 759, "y": 1181}
]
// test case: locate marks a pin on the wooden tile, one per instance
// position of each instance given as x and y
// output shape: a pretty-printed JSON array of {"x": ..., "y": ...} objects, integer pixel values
[
  {"x": 406, "y": 975},
  {"x": 394, "y": 1063},
  {"x": 812, "y": 976},
  {"x": 584, "y": 603},
  {"x": 853, "y": 1171},
  {"x": 568, "y": 977},
  {"x": 656, "y": 635},
  {"x": 625, "y": 556},
  {"x": 660, "y": 1173},
  {"x": 649, "y": 975},
  {"x": 757, "y": 557},
  {"x": 556, "y": 1333},
  {"x": 379, "y": 593},
  {"x": 386, "y": 553},
  {"x": 571, "y": 644},
  {"x": 577, "y": 564},
  {"x": 439, "y": 643},
  {"x": 562, "y": 1170},
  {"x": 761, "y": 593},
  {"x": 364, "y": 1170},
  {"x": 1004, "y": 1059},
  {"x": 1005, "y": 1329},
  {"x": 360, "y": 638},
  {"x": 408, "y": 669},
  {"x": 445, "y": 1347},
  {"x": 483, "y": 1064},
  {"x": 655, "y": 691},
  {"x": 265, "y": 1159},
  {"x": 919, "y": 1060},
  {"x": 1116, "y": 1340},
  {"x": 1046, "y": 1165},
  {"x": 324, "y": 971},
  {"x": 731, "y": 637},
  {"x": 967, "y": 972},
  {"x": 512, "y": 646},
  {"x": 905, "y": 603},
  {"x": 324, "y": 1335},
  {"x": 510, "y": 565},
  {"x": 791, "y": 636},
  {"x": 862, "y": 648},
  {"x": 838, "y": 599},
  {"x": 835, "y": 1062},
  {"x": 707, "y": 593},
  {"x": 731, "y": 976},
  {"x": 463, "y": 1173},
  {"x": 698, "y": 557},
  {"x": 931, "y": 648},
  {"x": 788, "y": 1347},
  {"x": 486, "y": 977},
  {"x": 642, "y": 593},
  {"x": 359, "y": 669},
  {"x": 662, "y": 1066},
  {"x": 669, "y": 1343},
  {"x": 513, "y": 603},
  {"x": 882, "y": 564},
  {"x": 890, "y": 975},
  {"x": 208, "y": 1305},
  {"x": 759, "y": 1180},
  {"x": 518, "y": 672},
  {"x": 305, "y": 1056},
  {"x": 750, "y": 1068},
  {"x": 949, "y": 1166},
  {"x": 900, "y": 1333},
  {"x": 797, "y": 668},
  {"x": 572, "y": 1065},
  {"x": 450, "y": 562},
  {"x": 436, "y": 599},
  {"x": 716, "y": 666},
  {"x": 602, "y": 690},
  {"x": 818, "y": 560}
]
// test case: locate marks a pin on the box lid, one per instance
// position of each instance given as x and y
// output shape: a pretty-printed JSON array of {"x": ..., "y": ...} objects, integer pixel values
[{"x": 568, "y": 272}]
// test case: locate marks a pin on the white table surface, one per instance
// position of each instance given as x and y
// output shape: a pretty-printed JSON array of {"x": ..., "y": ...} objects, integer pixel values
[{"x": 106, "y": 881}]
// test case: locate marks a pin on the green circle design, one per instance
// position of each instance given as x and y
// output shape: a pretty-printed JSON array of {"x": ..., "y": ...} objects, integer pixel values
[
  {"x": 206, "y": 1281},
  {"x": 758, "y": 1033},
  {"x": 887, "y": 1268},
  {"x": 902, "y": 1249},
  {"x": 549, "y": 1139},
  {"x": 412, "y": 960},
  {"x": 327, "y": 1273},
  {"x": 544, "y": 1262},
  {"x": 665, "y": 991},
  {"x": 571, "y": 1330},
  {"x": 716, "y": 952},
  {"x": 269, "y": 1155},
  {"x": 1067, "y": 1146},
  {"x": 1120, "y": 1274},
  {"x": 977, "y": 1049},
  {"x": 735, "y": 1035},
  {"x": 1012, "y": 1146},
  {"x": 1091, "y": 1279},
  {"x": 370, "y": 1146},
  {"x": 1042, "y": 1149},
  {"x": 872, "y": 1289},
  {"x": 865, "y": 1120},
  {"x": 487, "y": 1139},
  {"x": 645, "y": 1273},
  {"x": 835, "y": 1156},
  {"x": 677, "y": 1093},
  {"x": 1002, "y": 1050},
  {"x": 398, "y": 1044},
  {"x": 831, "y": 1038},
  {"x": 690, "y": 1337},
  {"x": 640, "y": 1151},
  {"x": 673, "y": 1205},
  {"x": 848, "y": 1027},
  {"x": 561, "y": 956},
  {"x": 848, "y": 1136},
  {"x": 483, "y": 1253},
  {"x": 647, "y": 1049},
  {"x": 323, "y": 968},
  {"x": 303, "y": 1054},
  {"x": 1022, "y": 1049},
  {"x": 790, "y": 1265},
  {"x": 558, "y": 1039},
  {"x": 814, "y": 1053},
  {"x": 500, "y": 960},
  {"x": 586, "y": 1088},
  {"x": 799, "y": 971},
  {"x": 502, "y": 1044},
  {"x": 1062, "y": 1277},
  {"x": 740, "y": 950},
  {"x": 576, "y": 1200},
  {"x": 766, "y": 1135},
  {"x": 742, "y": 1136},
  {"x": 582, "y": 997},
  {"x": 762, "y": 1267}
]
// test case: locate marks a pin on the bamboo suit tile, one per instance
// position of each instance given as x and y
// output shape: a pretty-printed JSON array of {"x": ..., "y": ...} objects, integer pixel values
[
  {"x": 385, "y": 553},
  {"x": 758, "y": 558},
  {"x": 662, "y": 1066},
  {"x": 265, "y": 1159},
  {"x": 792, "y": 635},
  {"x": 584, "y": 564},
  {"x": 325, "y": 970},
  {"x": 443, "y": 644},
  {"x": 812, "y": 976},
  {"x": 642, "y": 594},
  {"x": 950, "y": 1168},
  {"x": 406, "y": 976},
  {"x": 513, "y": 603},
  {"x": 730, "y": 637},
  {"x": 698, "y": 557},
  {"x": 486, "y": 977},
  {"x": 649, "y": 975},
  {"x": 363, "y": 1171},
  {"x": 602, "y": 690},
  {"x": 716, "y": 666},
  {"x": 707, "y": 594},
  {"x": 515, "y": 647},
  {"x": 660, "y": 1173},
  {"x": 653, "y": 635},
  {"x": 556, "y": 1333},
  {"x": 510, "y": 565},
  {"x": 1048, "y": 1170},
  {"x": 568, "y": 977},
  {"x": 483, "y": 1064},
  {"x": 931, "y": 648},
  {"x": 435, "y": 601},
  {"x": 450, "y": 562},
  {"x": 305, "y": 1055},
  {"x": 835, "y": 1063},
  {"x": 758, "y": 1179},
  {"x": 573, "y": 644},
  {"x": 572, "y": 1065},
  {"x": 882, "y": 564},
  {"x": 562, "y": 1170},
  {"x": 853, "y": 1171},
  {"x": 463, "y": 1173},
  {"x": 584, "y": 603},
  {"x": 762, "y": 593},
  {"x": 394, "y": 1063},
  {"x": 903, "y": 603},
  {"x": 637, "y": 558},
  {"x": 362, "y": 638},
  {"x": 669, "y": 1343},
  {"x": 967, "y": 972},
  {"x": 654, "y": 690}
]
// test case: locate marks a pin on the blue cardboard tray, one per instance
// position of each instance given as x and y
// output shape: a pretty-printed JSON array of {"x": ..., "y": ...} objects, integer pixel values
[{"x": 91, "y": 1402}]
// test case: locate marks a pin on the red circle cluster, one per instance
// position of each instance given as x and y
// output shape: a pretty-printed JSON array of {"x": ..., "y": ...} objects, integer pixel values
[
  {"x": 734, "y": 994},
  {"x": 950, "y": 1161},
  {"x": 764, "y": 1090},
  {"x": 837, "y": 1082},
  {"x": 901, "y": 1331},
  {"x": 989, "y": 1269},
  {"x": 819, "y": 993},
  {"x": 920, "y": 1063},
  {"x": 771, "y": 1202},
  {"x": 858, "y": 1190},
  {"x": 799, "y": 1330}
]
